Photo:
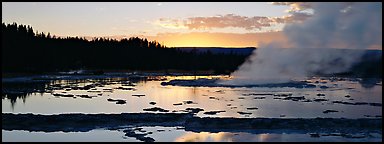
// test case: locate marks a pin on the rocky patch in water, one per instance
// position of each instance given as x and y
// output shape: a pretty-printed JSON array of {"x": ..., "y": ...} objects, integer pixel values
[
  {"x": 63, "y": 95},
  {"x": 213, "y": 112},
  {"x": 142, "y": 137},
  {"x": 155, "y": 109},
  {"x": 329, "y": 111},
  {"x": 244, "y": 113},
  {"x": 118, "y": 101},
  {"x": 189, "y": 102},
  {"x": 138, "y": 95},
  {"x": 125, "y": 88},
  {"x": 357, "y": 103},
  {"x": 252, "y": 108},
  {"x": 176, "y": 104},
  {"x": 213, "y": 83},
  {"x": 85, "y": 96}
]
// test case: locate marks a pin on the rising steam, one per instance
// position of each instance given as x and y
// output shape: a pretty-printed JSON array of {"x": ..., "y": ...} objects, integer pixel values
[{"x": 318, "y": 45}]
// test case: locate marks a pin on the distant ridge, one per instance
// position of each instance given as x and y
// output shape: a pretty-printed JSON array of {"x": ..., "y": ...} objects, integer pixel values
[{"x": 222, "y": 50}]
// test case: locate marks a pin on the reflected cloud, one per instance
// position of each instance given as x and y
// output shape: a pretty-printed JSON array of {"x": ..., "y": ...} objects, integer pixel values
[
  {"x": 228, "y": 137},
  {"x": 205, "y": 136}
]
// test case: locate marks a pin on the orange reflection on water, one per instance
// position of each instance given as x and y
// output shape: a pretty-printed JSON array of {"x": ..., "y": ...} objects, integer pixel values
[{"x": 205, "y": 136}]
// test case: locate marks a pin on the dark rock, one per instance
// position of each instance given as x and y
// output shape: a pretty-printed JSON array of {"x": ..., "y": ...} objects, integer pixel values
[
  {"x": 138, "y": 95},
  {"x": 152, "y": 103},
  {"x": 324, "y": 87},
  {"x": 244, "y": 113},
  {"x": 84, "y": 96},
  {"x": 252, "y": 108},
  {"x": 212, "y": 112},
  {"x": 319, "y": 100},
  {"x": 341, "y": 102},
  {"x": 124, "y": 88},
  {"x": 328, "y": 111},
  {"x": 63, "y": 95},
  {"x": 121, "y": 102},
  {"x": 347, "y": 96},
  {"x": 259, "y": 98},
  {"x": 294, "y": 98},
  {"x": 118, "y": 101},
  {"x": 156, "y": 109},
  {"x": 178, "y": 104},
  {"x": 94, "y": 91},
  {"x": 189, "y": 102},
  {"x": 320, "y": 94}
]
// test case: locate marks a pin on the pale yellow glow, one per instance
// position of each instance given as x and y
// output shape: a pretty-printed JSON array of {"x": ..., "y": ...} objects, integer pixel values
[{"x": 206, "y": 39}]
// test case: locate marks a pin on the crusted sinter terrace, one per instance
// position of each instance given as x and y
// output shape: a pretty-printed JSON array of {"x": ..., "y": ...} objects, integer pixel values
[{"x": 86, "y": 122}]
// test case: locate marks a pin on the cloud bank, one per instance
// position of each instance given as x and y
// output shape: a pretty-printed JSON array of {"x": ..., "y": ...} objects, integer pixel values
[{"x": 231, "y": 20}]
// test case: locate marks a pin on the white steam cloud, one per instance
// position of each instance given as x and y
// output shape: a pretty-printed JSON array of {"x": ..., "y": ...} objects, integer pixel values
[{"x": 318, "y": 44}]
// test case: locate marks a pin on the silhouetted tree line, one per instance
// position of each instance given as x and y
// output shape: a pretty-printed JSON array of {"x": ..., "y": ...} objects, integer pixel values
[{"x": 23, "y": 50}]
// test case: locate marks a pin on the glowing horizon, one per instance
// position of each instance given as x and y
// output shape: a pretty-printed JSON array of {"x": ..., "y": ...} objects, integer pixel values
[
  {"x": 174, "y": 24},
  {"x": 153, "y": 20}
]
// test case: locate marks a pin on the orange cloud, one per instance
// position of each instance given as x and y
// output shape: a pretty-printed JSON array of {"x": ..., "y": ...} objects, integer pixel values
[{"x": 230, "y": 20}]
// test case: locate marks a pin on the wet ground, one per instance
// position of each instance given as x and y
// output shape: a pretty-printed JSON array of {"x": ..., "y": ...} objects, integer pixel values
[{"x": 324, "y": 97}]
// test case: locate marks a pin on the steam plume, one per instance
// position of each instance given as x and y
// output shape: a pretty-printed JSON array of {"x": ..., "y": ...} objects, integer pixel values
[{"x": 318, "y": 44}]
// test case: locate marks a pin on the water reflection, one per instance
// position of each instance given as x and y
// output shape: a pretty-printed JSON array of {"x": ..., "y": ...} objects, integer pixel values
[
  {"x": 90, "y": 96},
  {"x": 14, "y": 91},
  {"x": 204, "y": 136},
  {"x": 232, "y": 137}
]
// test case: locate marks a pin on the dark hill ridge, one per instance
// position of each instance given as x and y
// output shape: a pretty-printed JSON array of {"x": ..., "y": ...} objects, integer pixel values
[{"x": 220, "y": 50}]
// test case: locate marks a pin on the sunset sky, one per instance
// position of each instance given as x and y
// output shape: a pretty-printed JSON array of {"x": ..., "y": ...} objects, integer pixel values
[
  {"x": 226, "y": 24},
  {"x": 156, "y": 21}
]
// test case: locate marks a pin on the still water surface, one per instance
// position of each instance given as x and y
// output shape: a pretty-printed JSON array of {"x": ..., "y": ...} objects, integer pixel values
[{"x": 139, "y": 94}]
